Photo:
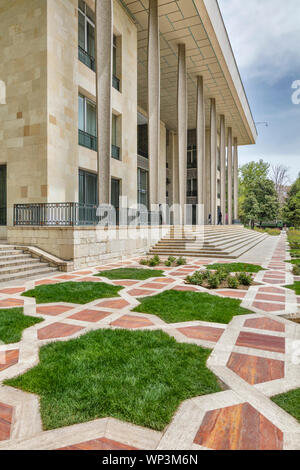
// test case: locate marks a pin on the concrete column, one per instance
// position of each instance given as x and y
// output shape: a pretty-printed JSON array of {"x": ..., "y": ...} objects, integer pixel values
[
  {"x": 153, "y": 101},
  {"x": 104, "y": 35},
  {"x": 235, "y": 180},
  {"x": 223, "y": 167},
  {"x": 182, "y": 127},
  {"x": 229, "y": 175},
  {"x": 201, "y": 180},
  {"x": 213, "y": 160}
]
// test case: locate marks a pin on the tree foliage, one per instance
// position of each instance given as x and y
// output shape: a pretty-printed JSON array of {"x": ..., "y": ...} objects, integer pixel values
[{"x": 291, "y": 210}]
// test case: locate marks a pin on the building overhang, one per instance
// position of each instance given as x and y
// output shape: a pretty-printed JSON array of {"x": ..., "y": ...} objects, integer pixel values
[{"x": 199, "y": 25}]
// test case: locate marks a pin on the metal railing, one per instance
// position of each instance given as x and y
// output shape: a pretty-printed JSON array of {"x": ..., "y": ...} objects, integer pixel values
[
  {"x": 115, "y": 152},
  {"x": 3, "y": 215},
  {"x": 87, "y": 140},
  {"x": 192, "y": 165},
  {"x": 116, "y": 82},
  {"x": 66, "y": 214},
  {"x": 86, "y": 59}
]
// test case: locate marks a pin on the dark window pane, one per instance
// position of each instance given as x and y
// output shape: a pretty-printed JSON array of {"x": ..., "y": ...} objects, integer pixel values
[
  {"x": 81, "y": 30},
  {"x": 3, "y": 189},
  {"x": 91, "y": 40}
]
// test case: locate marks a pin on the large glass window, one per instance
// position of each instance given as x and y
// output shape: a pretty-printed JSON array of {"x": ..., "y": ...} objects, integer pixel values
[
  {"x": 86, "y": 35},
  {"x": 87, "y": 123},
  {"x": 3, "y": 196},
  {"x": 116, "y": 62},
  {"x": 192, "y": 187},
  {"x": 192, "y": 156},
  {"x": 115, "y": 137},
  {"x": 142, "y": 195}
]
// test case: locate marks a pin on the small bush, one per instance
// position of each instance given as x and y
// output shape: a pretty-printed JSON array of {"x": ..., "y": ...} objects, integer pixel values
[
  {"x": 180, "y": 261},
  {"x": 233, "y": 282},
  {"x": 171, "y": 259},
  {"x": 222, "y": 274},
  {"x": 144, "y": 262},
  {"x": 296, "y": 270},
  {"x": 245, "y": 279},
  {"x": 214, "y": 281},
  {"x": 155, "y": 261},
  {"x": 197, "y": 278}
]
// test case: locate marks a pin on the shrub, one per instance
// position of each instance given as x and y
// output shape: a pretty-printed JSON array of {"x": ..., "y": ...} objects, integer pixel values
[
  {"x": 144, "y": 262},
  {"x": 233, "y": 282},
  {"x": 245, "y": 279},
  {"x": 168, "y": 263},
  {"x": 154, "y": 261},
  {"x": 197, "y": 278},
  {"x": 214, "y": 281},
  {"x": 296, "y": 270},
  {"x": 180, "y": 261},
  {"x": 222, "y": 274},
  {"x": 171, "y": 259}
]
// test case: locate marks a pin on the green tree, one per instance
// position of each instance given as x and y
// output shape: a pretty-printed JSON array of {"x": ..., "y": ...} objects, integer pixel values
[
  {"x": 291, "y": 210},
  {"x": 257, "y": 189}
]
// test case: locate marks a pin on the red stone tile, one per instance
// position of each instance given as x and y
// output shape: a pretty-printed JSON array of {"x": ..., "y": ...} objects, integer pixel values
[
  {"x": 272, "y": 290},
  {"x": 125, "y": 283},
  {"x": 232, "y": 293},
  {"x": 89, "y": 279},
  {"x": 274, "y": 281},
  {"x": 186, "y": 288},
  {"x": 238, "y": 427},
  {"x": 58, "y": 330},
  {"x": 272, "y": 298},
  {"x": 153, "y": 285},
  {"x": 92, "y": 316},
  {"x": 165, "y": 280},
  {"x": 83, "y": 273},
  {"x": 132, "y": 321},
  {"x": 66, "y": 277},
  {"x": 53, "y": 310},
  {"x": 265, "y": 323},
  {"x": 12, "y": 290},
  {"x": 140, "y": 292},
  {"x": 11, "y": 303},
  {"x": 117, "y": 304},
  {"x": 8, "y": 358},
  {"x": 46, "y": 282},
  {"x": 260, "y": 341},
  {"x": 268, "y": 307},
  {"x": 6, "y": 417},
  {"x": 206, "y": 333},
  {"x": 99, "y": 444},
  {"x": 256, "y": 370}
]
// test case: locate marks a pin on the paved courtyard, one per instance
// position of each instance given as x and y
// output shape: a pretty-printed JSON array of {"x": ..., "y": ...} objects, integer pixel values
[{"x": 254, "y": 356}]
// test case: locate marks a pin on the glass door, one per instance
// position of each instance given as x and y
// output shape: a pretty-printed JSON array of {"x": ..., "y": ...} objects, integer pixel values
[
  {"x": 3, "y": 194},
  {"x": 115, "y": 196}
]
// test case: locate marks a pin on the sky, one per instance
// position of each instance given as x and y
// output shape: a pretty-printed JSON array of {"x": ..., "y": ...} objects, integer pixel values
[{"x": 265, "y": 37}]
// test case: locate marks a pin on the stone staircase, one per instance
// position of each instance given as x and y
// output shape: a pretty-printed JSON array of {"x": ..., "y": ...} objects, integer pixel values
[
  {"x": 16, "y": 264},
  {"x": 208, "y": 241}
]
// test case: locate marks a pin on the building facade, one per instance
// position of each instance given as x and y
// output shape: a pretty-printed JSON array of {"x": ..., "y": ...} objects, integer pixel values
[{"x": 115, "y": 102}]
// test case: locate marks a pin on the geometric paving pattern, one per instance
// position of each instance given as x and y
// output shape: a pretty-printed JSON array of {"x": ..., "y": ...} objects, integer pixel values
[
  {"x": 251, "y": 353},
  {"x": 238, "y": 427}
]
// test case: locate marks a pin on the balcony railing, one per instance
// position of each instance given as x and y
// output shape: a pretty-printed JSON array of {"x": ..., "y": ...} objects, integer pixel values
[
  {"x": 192, "y": 193},
  {"x": 116, "y": 82},
  {"x": 86, "y": 59},
  {"x": 3, "y": 215},
  {"x": 87, "y": 140},
  {"x": 66, "y": 214},
  {"x": 143, "y": 153},
  {"x": 115, "y": 152},
  {"x": 192, "y": 165}
]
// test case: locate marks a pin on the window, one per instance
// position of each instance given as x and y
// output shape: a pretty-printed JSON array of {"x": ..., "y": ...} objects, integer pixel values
[
  {"x": 3, "y": 195},
  {"x": 142, "y": 196},
  {"x": 192, "y": 187},
  {"x": 115, "y": 134},
  {"x": 87, "y": 196},
  {"x": 87, "y": 123},
  {"x": 192, "y": 156},
  {"x": 116, "y": 62},
  {"x": 86, "y": 35}
]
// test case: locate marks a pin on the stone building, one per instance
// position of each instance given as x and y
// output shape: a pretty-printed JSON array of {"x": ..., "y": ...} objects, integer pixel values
[{"x": 136, "y": 99}]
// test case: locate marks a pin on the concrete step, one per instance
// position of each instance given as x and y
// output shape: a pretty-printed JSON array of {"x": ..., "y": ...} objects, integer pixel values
[
  {"x": 43, "y": 270},
  {"x": 16, "y": 264}
]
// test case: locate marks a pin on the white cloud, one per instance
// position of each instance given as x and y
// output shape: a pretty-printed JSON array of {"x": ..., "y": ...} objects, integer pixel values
[{"x": 265, "y": 37}]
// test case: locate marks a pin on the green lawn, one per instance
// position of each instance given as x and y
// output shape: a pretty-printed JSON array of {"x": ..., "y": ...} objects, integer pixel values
[
  {"x": 12, "y": 323},
  {"x": 131, "y": 273},
  {"x": 179, "y": 306},
  {"x": 136, "y": 376},
  {"x": 73, "y": 292},
  {"x": 295, "y": 287},
  {"x": 294, "y": 261},
  {"x": 290, "y": 402},
  {"x": 236, "y": 267}
]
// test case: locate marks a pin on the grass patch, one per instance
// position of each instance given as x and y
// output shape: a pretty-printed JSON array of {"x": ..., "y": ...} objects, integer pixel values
[
  {"x": 290, "y": 402},
  {"x": 178, "y": 306},
  {"x": 236, "y": 267},
  {"x": 73, "y": 292},
  {"x": 136, "y": 376},
  {"x": 12, "y": 324},
  {"x": 131, "y": 273},
  {"x": 295, "y": 287},
  {"x": 294, "y": 261}
]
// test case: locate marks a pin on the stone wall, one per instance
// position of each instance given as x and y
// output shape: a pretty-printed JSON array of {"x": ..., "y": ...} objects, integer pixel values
[{"x": 88, "y": 246}]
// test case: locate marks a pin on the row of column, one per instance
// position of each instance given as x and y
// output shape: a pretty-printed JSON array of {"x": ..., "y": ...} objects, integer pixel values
[{"x": 206, "y": 168}]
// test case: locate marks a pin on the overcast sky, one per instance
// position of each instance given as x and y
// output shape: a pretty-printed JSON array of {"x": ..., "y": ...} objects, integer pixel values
[{"x": 265, "y": 36}]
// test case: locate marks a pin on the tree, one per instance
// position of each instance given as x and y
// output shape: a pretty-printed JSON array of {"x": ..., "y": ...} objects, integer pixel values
[
  {"x": 280, "y": 177},
  {"x": 257, "y": 189},
  {"x": 291, "y": 210}
]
